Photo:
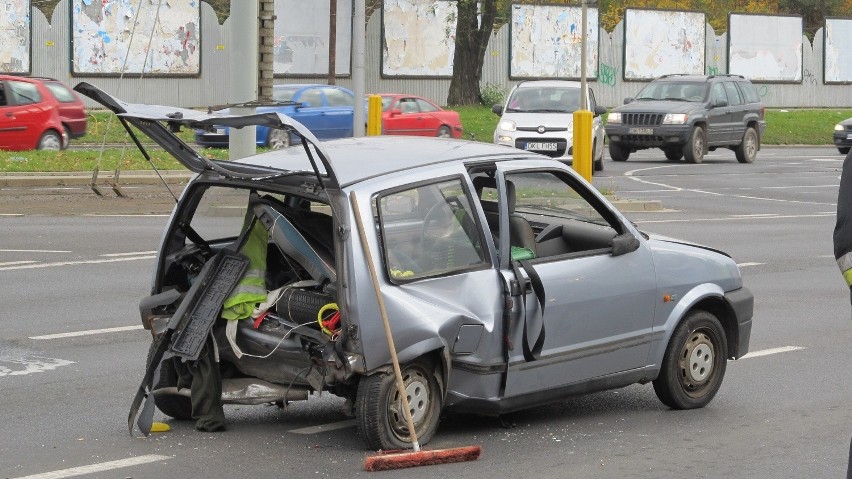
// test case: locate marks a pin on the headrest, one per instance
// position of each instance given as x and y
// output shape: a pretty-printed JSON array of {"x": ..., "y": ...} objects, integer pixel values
[{"x": 482, "y": 182}]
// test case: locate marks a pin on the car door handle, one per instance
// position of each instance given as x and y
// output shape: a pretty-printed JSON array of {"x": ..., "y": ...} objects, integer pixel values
[{"x": 10, "y": 114}]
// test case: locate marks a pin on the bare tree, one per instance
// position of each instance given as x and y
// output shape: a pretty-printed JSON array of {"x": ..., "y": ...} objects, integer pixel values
[{"x": 473, "y": 30}]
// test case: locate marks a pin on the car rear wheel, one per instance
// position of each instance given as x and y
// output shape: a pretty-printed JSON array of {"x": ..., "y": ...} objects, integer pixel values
[
  {"x": 50, "y": 141},
  {"x": 694, "y": 363},
  {"x": 379, "y": 415},
  {"x": 673, "y": 154},
  {"x": 178, "y": 407},
  {"x": 843, "y": 150},
  {"x": 693, "y": 150},
  {"x": 278, "y": 139},
  {"x": 746, "y": 151},
  {"x": 444, "y": 132},
  {"x": 618, "y": 152}
]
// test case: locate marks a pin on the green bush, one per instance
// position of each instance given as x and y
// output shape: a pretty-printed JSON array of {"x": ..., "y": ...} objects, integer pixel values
[{"x": 492, "y": 94}]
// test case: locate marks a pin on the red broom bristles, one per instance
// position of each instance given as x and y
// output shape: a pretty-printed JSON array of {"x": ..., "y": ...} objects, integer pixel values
[{"x": 400, "y": 460}]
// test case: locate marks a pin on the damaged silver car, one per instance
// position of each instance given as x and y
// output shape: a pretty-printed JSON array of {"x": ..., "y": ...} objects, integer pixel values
[{"x": 508, "y": 281}]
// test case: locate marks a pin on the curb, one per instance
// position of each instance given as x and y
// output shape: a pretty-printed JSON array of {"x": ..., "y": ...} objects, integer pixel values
[{"x": 131, "y": 177}]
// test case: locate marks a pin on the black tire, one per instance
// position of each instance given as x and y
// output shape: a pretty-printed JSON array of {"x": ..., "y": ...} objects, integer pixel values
[
  {"x": 444, "y": 132},
  {"x": 843, "y": 150},
  {"x": 278, "y": 139},
  {"x": 378, "y": 416},
  {"x": 618, "y": 152},
  {"x": 597, "y": 165},
  {"x": 673, "y": 154},
  {"x": 178, "y": 407},
  {"x": 746, "y": 151},
  {"x": 695, "y": 148},
  {"x": 694, "y": 363},
  {"x": 50, "y": 141}
]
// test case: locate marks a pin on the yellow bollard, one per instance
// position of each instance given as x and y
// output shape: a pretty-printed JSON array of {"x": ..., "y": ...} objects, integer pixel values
[
  {"x": 583, "y": 144},
  {"x": 374, "y": 115}
]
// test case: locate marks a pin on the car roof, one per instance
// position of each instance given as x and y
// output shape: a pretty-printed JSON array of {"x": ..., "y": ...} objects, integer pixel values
[
  {"x": 549, "y": 83},
  {"x": 358, "y": 159}
]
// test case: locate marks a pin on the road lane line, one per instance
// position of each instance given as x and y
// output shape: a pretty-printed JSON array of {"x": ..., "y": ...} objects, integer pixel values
[
  {"x": 99, "y": 467},
  {"x": 138, "y": 215},
  {"x": 749, "y": 264},
  {"x": 72, "y": 263},
  {"x": 33, "y": 251},
  {"x": 31, "y": 364},
  {"x": 324, "y": 427},
  {"x": 89, "y": 332},
  {"x": 767, "y": 352},
  {"x": 756, "y": 215},
  {"x": 12, "y": 263},
  {"x": 730, "y": 218},
  {"x": 128, "y": 254}
]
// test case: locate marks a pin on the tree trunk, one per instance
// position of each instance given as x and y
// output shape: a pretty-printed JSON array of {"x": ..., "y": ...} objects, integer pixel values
[{"x": 471, "y": 41}]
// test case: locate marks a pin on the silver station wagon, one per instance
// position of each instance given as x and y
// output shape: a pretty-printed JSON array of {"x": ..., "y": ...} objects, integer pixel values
[{"x": 507, "y": 279}]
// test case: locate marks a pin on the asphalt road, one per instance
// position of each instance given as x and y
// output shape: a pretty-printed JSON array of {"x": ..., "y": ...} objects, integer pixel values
[{"x": 72, "y": 353}]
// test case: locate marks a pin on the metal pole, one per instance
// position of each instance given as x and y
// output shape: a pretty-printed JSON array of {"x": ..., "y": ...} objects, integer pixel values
[
  {"x": 243, "y": 74},
  {"x": 583, "y": 102},
  {"x": 359, "y": 31},
  {"x": 332, "y": 41},
  {"x": 582, "y": 138}
]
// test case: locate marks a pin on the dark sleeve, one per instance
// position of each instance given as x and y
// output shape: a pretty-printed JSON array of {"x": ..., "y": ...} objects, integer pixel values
[{"x": 843, "y": 226}]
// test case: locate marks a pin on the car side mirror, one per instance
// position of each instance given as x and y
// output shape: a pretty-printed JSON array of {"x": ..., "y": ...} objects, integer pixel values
[
  {"x": 719, "y": 103},
  {"x": 628, "y": 100},
  {"x": 624, "y": 243},
  {"x": 599, "y": 110},
  {"x": 395, "y": 112},
  {"x": 497, "y": 109}
]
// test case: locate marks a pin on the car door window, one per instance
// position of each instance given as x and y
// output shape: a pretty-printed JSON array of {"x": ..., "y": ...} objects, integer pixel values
[
  {"x": 748, "y": 91},
  {"x": 311, "y": 98},
  {"x": 336, "y": 97},
  {"x": 408, "y": 105},
  {"x": 62, "y": 94},
  {"x": 24, "y": 93},
  {"x": 429, "y": 230},
  {"x": 2, "y": 95},
  {"x": 718, "y": 94},
  {"x": 425, "y": 106},
  {"x": 733, "y": 94}
]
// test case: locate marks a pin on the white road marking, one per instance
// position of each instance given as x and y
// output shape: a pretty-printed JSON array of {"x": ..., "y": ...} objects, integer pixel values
[
  {"x": 324, "y": 427},
  {"x": 89, "y": 332},
  {"x": 756, "y": 215},
  {"x": 767, "y": 352},
  {"x": 128, "y": 254},
  {"x": 71, "y": 263},
  {"x": 139, "y": 215},
  {"x": 741, "y": 265},
  {"x": 99, "y": 467},
  {"x": 31, "y": 364},
  {"x": 33, "y": 251},
  {"x": 729, "y": 218},
  {"x": 11, "y": 214},
  {"x": 833, "y": 160},
  {"x": 11, "y": 263}
]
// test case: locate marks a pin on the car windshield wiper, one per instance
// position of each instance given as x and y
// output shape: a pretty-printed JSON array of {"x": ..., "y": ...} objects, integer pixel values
[
  {"x": 675, "y": 99},
  {"x": 514, "y": 110},
  {"x": 548, "y": 110}
]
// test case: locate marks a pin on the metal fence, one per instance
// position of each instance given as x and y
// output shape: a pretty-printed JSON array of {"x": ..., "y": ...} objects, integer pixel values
[{"x": 51, "y": 51}]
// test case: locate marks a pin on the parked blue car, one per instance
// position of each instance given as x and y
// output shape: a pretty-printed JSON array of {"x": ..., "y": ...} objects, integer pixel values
[{"x": 326, "y": 110}]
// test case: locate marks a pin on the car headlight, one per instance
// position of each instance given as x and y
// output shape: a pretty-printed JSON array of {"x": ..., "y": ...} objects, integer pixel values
[
  {"x": 838, "y": 127},
  {"x": 675, "y": 119},
  {"x": 508, "y": 125},
  {"x": 614, "y": 117}
]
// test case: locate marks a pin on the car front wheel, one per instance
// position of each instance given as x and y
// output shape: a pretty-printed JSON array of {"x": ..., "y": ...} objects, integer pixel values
[
  {"x": 50, "y": 140},
  {"x": 673, "y": 154},
  {"x": 693, "y": 150},
  {"x": 379, "y": 412},
  {"x": 444, "y": 132},
  {"x": 278, "y": 139},
  {"x": 694, "y": 363},
  {"x": 618, "y": 152},
  {"x": 843, "y": 149},
  {"x": 746, "y": 151}
]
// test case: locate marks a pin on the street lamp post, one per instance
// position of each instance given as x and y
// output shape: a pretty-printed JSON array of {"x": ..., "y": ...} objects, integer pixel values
[{"x": 582, "y": 147}]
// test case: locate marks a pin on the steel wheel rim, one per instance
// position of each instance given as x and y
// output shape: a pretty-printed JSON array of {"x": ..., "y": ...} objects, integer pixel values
[
  {"x": 419, "y": 400},
  {"x": 697, "y": 363},
  {"x": 50, "y": 143},
  {"x": 278, "y": 139},
  {"x": 698, "y": 146},
  {"x": 751, "y": 145},
  {"x": 443, "y": 132}
]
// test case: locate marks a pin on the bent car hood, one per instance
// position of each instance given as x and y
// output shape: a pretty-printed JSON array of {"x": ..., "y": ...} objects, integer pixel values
[
  {"x": 667, "y": 239},
  {"x": 158, "y": 122}
]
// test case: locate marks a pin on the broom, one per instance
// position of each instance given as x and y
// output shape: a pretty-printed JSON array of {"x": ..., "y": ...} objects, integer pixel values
[{"x": 403, "y": 459}]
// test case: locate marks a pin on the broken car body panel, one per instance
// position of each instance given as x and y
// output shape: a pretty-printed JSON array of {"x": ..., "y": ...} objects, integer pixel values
[{"x": 508, "y": 280}]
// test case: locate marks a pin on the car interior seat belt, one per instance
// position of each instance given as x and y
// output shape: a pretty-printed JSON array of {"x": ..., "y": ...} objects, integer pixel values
[{"x": 531, "y": 350}]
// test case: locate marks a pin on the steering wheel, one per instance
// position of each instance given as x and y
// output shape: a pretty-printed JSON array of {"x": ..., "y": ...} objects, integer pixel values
[{"x": 437, "y": 213}]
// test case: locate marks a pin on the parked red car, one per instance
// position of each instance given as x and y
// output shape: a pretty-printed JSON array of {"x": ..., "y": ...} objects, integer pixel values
[
  {"x": 38, "y": 113},
  {"x": 413, "y": 115}
]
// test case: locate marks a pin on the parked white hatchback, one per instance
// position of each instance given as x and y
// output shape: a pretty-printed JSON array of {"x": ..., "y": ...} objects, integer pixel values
[{"x": 539, "y": 116}]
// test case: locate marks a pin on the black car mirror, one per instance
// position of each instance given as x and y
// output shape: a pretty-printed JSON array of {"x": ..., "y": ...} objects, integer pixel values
[
  {"x": 720, "y": 103},
  {"x": 497, "y": 109},
  {"x": 628, "y": 100},
  {"x": 624, "y": 243},
  {"x": 599, "y": 110}
]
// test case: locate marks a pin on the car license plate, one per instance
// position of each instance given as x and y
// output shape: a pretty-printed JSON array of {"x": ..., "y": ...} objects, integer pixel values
[
  {"x": 541, "y": 146},
  {"x": 220, "y": 131},
  {"x": 849, "y": 136},
  {"x": 640, "y": 131}
]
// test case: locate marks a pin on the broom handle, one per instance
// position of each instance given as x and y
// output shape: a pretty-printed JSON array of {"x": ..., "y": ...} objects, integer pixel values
[{"x": 394, "y": 359}]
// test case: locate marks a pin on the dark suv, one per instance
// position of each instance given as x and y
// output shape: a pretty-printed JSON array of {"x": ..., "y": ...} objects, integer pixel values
[{"x": 687, "y": 115}]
